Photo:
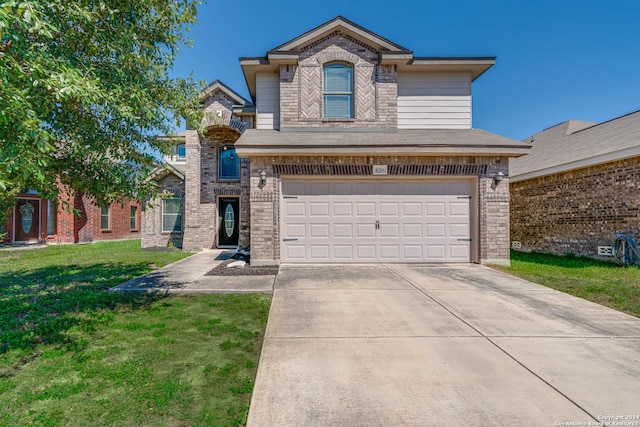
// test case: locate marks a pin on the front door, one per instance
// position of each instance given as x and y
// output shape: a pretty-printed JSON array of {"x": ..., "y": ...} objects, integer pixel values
[
  {"x": 27, "y": 220},
  {"x": 229, "y": 221}
]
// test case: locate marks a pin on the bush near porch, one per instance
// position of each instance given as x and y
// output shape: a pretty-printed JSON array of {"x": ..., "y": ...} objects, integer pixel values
[{"x": 72, "y": 353}]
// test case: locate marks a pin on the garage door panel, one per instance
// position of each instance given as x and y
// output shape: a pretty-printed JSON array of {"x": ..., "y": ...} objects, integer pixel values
[
  {"x": 412, "y": 252},
  {"x": 319, "y": 252},
  {"x": 389, "y": 231},
  {"x": 435, "y": 230},
  {"x": 295, "y": 252},
  {"x": 458, "y": 230},
  {"x": 389, "y": 188},
  {"x": 387, "y": 209},
  {"x": 459, "y": 252},
  {"x": 366, "y": 252},
  {"x": 335, "y": 221},
  {"x": 318, "y": 188},
  {"x": 436, "y": 252},
  {"x": 364, "y": 188},
  {"x": 435, "y": 188},
  {"x": 390, "y": 252},
  {"x": 294, "y": 188},
  {"x": 343, "y": 252},
  {"x": 436, "y": 209},
  {"x": 411, "y": 188},
  {"x": 343, "y": 230},
  {"x": 460, "y": 188},
  {"x": 411, "y": 209},
  {"x": 365, "y": 209},
  {"x": 365, "y": 230},
  {"x": 342, "y": 209},
  {"x": 319, "y": 209},
  {"x": 411, "y": 230},
  {"x": 459, "y": 209},
  {"x": 296, "y": 209},
  {"x": 342, "y": 188},
  {"x": 295, "y": 230},
  {"x": 319, "y": 231}
]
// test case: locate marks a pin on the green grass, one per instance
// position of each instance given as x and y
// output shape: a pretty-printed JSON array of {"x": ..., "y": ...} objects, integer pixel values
[
  {"x": 604, "y": 283},
  {"x": 73, "y": 354}
]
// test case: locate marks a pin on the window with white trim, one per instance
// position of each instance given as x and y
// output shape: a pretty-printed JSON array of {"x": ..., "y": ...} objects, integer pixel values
[
  {"x": 181, "y": 151},
  {"x": 337, "y": 91},
  {"x": 133, "y": 218},
  {"x": 171, "y": 215},
  {"x": 51, "y": 218},
  {"x": 105, "y": 217}
]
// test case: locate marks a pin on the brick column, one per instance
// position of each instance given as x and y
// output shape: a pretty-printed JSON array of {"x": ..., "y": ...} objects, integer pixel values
[{"x": 494, "y": 215}]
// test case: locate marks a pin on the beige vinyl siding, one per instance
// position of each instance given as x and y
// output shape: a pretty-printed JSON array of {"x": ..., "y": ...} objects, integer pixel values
[
  {"x": 267, "y": 101},
  {"x": 434, "y": 101}
]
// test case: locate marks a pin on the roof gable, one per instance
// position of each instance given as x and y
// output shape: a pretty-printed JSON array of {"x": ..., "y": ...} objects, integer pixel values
[
  {"x": 217, "y": 85},
  {"x": 342, "y": 25}
]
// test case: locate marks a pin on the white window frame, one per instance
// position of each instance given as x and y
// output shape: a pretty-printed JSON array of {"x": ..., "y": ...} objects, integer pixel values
[
  {"x": 350, "y": 93},
  {"x": 108, "y": 215},
  {"x": 179, "y": 215},
  {"x": 133, "y": 217}
]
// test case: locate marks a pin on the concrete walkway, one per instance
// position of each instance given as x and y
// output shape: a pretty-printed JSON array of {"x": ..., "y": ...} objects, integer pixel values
[
  {"x": 387, "y": 345},
  {"x": 187, "y": 276}
]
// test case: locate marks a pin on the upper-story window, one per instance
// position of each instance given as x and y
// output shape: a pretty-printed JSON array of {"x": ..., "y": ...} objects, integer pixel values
[
  {"x": 338, "y": 91},
  {"x": 181, "y": 151},
  {"x": 229, "y": 163}
]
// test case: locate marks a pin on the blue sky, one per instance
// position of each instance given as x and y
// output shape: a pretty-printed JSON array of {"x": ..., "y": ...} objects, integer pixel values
[{"x": 556, "y": 60}]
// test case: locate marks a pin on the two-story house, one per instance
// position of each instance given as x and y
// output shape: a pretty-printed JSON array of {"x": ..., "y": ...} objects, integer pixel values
[{"x": 352, "y": 149}]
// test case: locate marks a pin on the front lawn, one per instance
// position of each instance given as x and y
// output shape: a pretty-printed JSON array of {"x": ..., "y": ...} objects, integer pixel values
[
  {"x": 73, "y": 354},
  {"x": 601, "y": 282}
]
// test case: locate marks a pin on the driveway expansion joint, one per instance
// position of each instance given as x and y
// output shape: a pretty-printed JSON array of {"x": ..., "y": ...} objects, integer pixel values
[{"x": 441, "y": 304}]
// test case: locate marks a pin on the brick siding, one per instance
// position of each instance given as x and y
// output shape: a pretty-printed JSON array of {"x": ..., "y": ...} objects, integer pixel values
[
  {"x": 492, "y": 216},
  {"x": 375, "y": 86},
  {"x": 576, "y": 211},
  {"x": 152, "y": 234},
  {"x": 71, "y": 228}
]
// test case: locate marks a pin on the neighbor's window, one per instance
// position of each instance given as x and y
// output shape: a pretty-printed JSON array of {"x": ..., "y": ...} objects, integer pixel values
[
  {"x": 338, "y": 91},
  {"x": 105, "y": 217},
  {"x": 181, "y": 151},
  {"x": 228, "y": 164},
  {"x": 171, "y": 215},
  {"x": 51, "y": 218},
  {"x": 133, "y": 218}
]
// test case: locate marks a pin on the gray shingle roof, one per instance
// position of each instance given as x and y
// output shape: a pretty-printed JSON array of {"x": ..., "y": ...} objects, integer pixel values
[
  {"x": 401, "y": 141},
  {"x": 574, "y": 144}
]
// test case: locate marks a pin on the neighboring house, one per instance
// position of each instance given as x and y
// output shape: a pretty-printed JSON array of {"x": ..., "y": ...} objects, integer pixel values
[
  {"x": 578, "y": 187},
  {"x": 34, "y": 219},
  {"x": 355, "y": 150}
]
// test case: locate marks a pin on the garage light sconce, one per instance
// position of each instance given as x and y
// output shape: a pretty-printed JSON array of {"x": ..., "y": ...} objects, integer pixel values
[
  {"x": 498, "y": 177},
  {"x": 263, "y": 178}
]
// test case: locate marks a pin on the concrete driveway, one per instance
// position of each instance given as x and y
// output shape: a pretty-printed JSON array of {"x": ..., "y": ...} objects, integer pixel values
[{"x": 385, "y": 345}]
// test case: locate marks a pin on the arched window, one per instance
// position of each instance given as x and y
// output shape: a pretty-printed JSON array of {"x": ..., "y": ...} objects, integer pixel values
[{"x": 338, "y": 91}]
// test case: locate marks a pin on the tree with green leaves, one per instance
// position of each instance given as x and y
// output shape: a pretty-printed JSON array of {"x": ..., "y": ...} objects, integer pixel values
[{"x": 85, "y": 88}]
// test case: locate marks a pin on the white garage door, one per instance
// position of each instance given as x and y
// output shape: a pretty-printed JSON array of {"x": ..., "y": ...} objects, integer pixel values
[{"x": 376, "y": 220}]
